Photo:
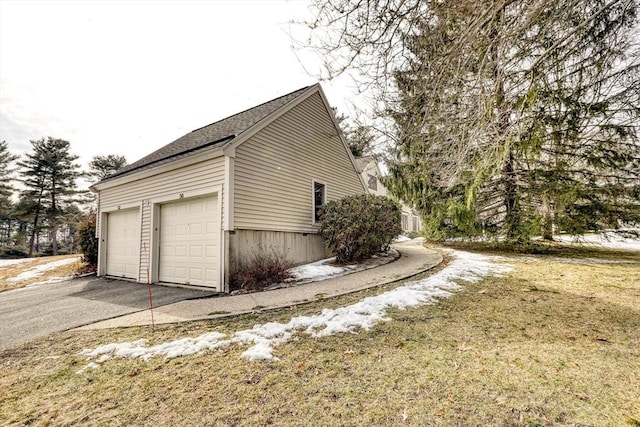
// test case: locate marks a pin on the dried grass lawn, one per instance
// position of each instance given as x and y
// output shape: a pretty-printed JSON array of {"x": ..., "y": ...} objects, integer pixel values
[{"x": 555, "y": 343}]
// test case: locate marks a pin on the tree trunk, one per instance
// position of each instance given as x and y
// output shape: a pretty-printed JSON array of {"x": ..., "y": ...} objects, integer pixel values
[
  {"x": 54, "y": 219},
  {"x": 34, "y": 229},
  {"x": 512, "y": 216},
  {"x": 54, "y": 236},
  {"x": 510, "y": 190},
  {"x": 547, "y": 219}
]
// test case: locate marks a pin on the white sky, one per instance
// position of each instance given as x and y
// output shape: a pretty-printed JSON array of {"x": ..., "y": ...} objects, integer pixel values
[{"x": 127, "y": 77}]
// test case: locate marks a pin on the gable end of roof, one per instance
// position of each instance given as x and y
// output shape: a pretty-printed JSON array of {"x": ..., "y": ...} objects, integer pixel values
[{"x": 213, "y": 135}]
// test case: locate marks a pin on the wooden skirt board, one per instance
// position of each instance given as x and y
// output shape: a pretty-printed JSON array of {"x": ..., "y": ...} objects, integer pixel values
[
  {"x": 190, "y": 242},
  {"x": 123, "y": 243}
]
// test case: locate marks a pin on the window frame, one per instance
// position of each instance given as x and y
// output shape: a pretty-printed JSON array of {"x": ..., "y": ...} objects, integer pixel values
[
  {"x": 405, "y": 221},
  {"x": 372, "y": 179},
  {"x": 314, "y": 207},
  {"x": 415, "y": 223}
]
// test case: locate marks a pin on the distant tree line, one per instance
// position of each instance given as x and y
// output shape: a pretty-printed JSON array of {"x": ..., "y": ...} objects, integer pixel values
[{"x": 43, "y": 216}]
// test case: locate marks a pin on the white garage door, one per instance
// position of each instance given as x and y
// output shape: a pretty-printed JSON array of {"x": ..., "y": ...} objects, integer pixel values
[
  {"x": 123, "y": 243},
  {"x": 189, "y": 242}
]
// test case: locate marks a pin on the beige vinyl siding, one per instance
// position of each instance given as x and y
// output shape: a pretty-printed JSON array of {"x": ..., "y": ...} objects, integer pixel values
[
  {"x": 193, "y": 178},
  {"x": 145, "y": 241},
  {"x": 275, "y": 169}
]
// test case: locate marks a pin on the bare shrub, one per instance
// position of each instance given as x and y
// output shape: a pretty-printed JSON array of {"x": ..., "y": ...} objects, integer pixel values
[{"x": 262, "y": 269}]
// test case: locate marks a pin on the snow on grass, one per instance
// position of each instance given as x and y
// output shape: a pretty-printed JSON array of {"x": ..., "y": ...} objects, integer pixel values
[
  {"x": 39, "y": 270},
  {"x": 9, "y": 262},
  {"x": 350, "y": 319},
  {"x": 620, "y": 239}
]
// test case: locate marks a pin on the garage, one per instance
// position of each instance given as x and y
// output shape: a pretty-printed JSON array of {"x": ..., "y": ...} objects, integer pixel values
[
  {"x": 189, "y": 250},
  {"x": 123, "y": 243}
]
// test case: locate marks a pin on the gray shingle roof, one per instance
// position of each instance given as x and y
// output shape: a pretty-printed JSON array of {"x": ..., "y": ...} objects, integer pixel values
[{"x": 214, "y": 135}]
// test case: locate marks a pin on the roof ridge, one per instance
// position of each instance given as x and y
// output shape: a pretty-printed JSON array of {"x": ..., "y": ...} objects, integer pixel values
[
  {"x": 251, "y": 108},
  {"x": 213, "y": 134}
]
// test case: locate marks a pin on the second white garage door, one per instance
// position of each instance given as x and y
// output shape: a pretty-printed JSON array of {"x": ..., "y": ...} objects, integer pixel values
[
  {"x": 123, "y": 243},
  {"x": 189, "y": 242}
]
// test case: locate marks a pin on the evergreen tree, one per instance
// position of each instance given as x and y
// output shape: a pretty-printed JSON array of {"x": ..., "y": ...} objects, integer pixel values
[
  {"x": 360, "y": 138},
  {"x": 22, "y": 212},
  {"x": 509, "y": 116},
  {"x": 100, "y": 167},
  {"x": 6, "y": 158},
  {"x": 49, "y": 174},
  {"x": 6, "y": 191}
]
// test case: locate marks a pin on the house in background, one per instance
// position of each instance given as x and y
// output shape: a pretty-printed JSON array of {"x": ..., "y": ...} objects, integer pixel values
[
  {"x": 189, "y": 212},
  {"x": 370, "y": 173}
]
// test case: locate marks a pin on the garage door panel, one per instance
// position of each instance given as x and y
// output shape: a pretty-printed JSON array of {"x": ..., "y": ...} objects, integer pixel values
[
  {"x": 189, "y": 250},
  {"x": 195, "y": 274},
  {"x": 211, "y": 274},
  {"x": 123, "y": 242},
  {"x": 211, "y": 250}
]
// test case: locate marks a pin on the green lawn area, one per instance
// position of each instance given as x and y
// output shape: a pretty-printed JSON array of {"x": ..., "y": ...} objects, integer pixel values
[{"x": 554, "y": 343}]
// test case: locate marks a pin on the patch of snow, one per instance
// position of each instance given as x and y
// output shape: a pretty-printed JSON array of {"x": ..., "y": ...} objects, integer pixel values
[
  {"x": 103, "y": 358},
  {"x": 38, "y": 270},
  {"x": 260, "y": 351},
  {"x": 575, "y": 260},
  {"x": 629, "y": 240},
  {"x": 325, "y": 269},
  {"x": 401, "y": 238},
  {"x": 8, "y": 262},
  {"x": 319, "y": 270},
  {"x": 179, "y": 348},
  {"x": 90, "y": 365},
  {"x": 350, "y": 319}
]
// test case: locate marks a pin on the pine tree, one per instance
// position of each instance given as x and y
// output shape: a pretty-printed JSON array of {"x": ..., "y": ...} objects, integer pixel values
[
  {"x": 100, "y": 167},
  {"x": 22, "y": 212},
  {"x": 509, "y": 116},
  {"x": 6, "y": 191},
  {"x": 6, "y": 158},
  {"x": 359, "y": 137},
  {"x": 49, "y": 175}
]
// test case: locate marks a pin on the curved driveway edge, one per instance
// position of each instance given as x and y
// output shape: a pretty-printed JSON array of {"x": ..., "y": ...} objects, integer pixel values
[
  {"x": 36, "y": 311},
  {"x": 414, "y": 259}
]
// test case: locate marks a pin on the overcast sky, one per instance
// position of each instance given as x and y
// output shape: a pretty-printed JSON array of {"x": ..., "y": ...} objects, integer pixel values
[{"x": 127, "y": 77}]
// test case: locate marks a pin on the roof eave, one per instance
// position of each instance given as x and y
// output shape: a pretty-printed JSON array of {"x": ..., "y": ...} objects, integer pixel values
[{"x": 141, "y": 173}]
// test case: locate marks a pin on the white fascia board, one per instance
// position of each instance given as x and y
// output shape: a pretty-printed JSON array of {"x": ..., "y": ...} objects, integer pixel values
[
  {"x": 145, "y": 173},
  {"x": 342, "y": 138}
]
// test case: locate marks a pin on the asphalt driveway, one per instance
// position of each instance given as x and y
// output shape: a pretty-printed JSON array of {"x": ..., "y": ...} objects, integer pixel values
[{"x": 36, "y": 311}]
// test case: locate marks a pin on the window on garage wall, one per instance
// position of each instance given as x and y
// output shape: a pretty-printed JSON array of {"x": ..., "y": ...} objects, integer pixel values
[{"x": 319, "y": 199}]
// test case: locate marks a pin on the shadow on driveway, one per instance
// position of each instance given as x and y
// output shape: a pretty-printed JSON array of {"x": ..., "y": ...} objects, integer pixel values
[
  {"x": 135, "y": 295},
  {"x": 36, "y": 311}
]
